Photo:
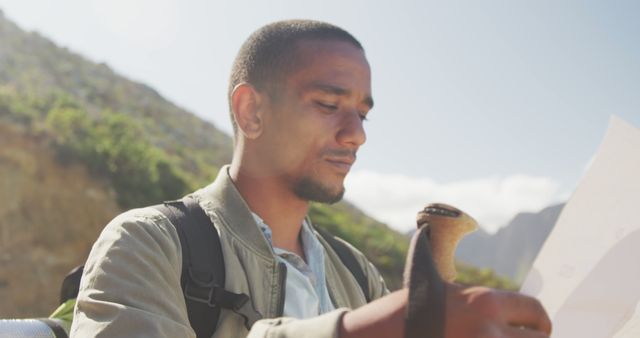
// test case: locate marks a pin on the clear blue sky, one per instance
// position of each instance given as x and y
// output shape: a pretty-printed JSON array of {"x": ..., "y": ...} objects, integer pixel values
[{"x": 496, "y": 106}]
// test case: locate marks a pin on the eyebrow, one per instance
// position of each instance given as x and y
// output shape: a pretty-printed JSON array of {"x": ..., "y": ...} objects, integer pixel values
[{"x": 335, "y": 90}]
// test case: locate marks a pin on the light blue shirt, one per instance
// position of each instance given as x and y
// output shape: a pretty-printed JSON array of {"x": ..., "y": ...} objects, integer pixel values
[{"x": 306, "y": 288}]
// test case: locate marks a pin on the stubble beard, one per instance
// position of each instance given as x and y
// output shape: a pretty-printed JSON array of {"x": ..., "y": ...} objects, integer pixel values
[{"x": 310, "y": 189}]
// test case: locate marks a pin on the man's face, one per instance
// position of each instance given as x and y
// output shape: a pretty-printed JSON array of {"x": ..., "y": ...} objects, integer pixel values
[{"x": 314, "y": 127}]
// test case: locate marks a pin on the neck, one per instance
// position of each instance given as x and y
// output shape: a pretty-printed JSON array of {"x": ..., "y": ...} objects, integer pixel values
[{"x": 275, "y": 203}]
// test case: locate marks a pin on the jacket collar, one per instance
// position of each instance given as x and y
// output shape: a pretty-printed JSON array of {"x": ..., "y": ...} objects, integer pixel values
[{"x": 222, "y": 201}]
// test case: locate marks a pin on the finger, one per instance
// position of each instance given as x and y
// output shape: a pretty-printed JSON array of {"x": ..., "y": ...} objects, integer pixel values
[
  {"x": 525, "y": 311},
  {"x": 514, "y": 332}
]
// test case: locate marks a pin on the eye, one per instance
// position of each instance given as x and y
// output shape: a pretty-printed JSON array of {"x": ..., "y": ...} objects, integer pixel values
[{"x": 327, "y": 106}]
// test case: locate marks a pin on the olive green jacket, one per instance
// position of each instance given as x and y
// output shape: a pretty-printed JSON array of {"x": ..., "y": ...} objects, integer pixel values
[{"x": 131, "y": 282}]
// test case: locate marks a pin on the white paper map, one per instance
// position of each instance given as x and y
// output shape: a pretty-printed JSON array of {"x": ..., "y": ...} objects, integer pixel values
[{"x": 587, "y": 274}]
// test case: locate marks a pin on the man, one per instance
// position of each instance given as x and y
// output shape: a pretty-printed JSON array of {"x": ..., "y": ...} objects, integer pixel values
[{"x": 298, "y": 95}]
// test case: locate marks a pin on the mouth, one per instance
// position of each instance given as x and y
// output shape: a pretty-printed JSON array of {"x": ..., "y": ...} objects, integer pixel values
[{"x": 342, "y": 164}]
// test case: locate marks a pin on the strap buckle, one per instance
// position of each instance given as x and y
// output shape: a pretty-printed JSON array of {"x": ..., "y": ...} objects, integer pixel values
[
  {"x": 214, "y": 295},
  {"x": 197, "y": 290}
]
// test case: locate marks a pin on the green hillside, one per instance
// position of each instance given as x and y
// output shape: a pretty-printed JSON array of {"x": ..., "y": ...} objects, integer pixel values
[
  {"x": 143, "y": 147},
  {"x": 39, "y": 74}
]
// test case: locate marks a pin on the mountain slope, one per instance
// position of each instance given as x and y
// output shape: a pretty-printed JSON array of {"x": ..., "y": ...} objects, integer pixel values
[
  {"x": 49, "y": 213},
  {"x": 511, "y": 250},
  {"x": 41, "y": 73}
]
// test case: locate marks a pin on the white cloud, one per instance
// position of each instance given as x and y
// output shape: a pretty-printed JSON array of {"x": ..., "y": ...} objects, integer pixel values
[{"x": 395, "y": 199}]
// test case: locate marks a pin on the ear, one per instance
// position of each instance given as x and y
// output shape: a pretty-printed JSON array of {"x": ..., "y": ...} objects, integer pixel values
[{"x": 246, "y": 105}]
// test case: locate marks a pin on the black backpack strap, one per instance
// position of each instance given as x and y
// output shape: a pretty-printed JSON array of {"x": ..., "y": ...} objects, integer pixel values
[
  {"x": 349, "y": 260},
  {"x": 203, "y": 271}
]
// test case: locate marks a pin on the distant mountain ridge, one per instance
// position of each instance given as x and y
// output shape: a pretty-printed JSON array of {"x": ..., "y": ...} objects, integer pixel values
[{"x": 512, "y": 249}]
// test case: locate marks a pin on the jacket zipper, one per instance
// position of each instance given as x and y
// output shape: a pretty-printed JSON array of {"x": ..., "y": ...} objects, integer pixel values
[{"x": 282, "y": 279}]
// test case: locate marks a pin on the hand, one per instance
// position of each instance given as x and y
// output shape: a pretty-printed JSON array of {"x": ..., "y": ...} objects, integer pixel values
[
  {"x": 483, "y": 312},
  {"x": 471, "y": 312}
]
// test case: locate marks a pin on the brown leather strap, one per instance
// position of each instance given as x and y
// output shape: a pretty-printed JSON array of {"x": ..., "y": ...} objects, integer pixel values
[{"x": 425, "y": 316}]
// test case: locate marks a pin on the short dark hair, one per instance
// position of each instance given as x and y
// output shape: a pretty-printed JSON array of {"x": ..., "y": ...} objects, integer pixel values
[{"x": 267, "y": 55}]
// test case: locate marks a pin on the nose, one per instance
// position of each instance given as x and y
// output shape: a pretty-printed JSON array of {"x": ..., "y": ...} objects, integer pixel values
[{"x": 352, "y": 130}]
